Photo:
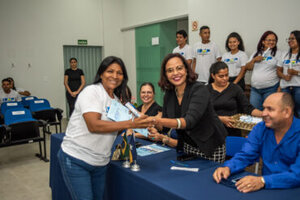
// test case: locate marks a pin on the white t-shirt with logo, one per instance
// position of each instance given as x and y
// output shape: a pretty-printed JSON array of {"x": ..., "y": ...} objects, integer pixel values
[
  {"x": 92, "y": 148},
  {"x": 235, "y": 62},
  {"x": 206, "y": 55},
  {"x": 186, "y": 51},
  {"x": 287, "y": 62},
  {"x": 264, "y": 73},
  {"x": 12, "y": 96}
]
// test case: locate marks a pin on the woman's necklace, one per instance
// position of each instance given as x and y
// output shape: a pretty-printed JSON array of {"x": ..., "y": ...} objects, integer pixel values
[{"x": 179, "y": 95}]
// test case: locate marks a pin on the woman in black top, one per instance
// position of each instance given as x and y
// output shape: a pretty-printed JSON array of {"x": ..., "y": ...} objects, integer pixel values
[
  {"x": 149, "y": 106},
  {"x": 228, "y": 99},
  {"x": 74, "y": 82},
  {"x": 187, "y": 108}
]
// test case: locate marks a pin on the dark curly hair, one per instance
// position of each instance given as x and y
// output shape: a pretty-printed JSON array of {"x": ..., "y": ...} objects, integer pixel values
[
  {"x": 260, "y": 46},
  {"x": 164, "y": 83}
]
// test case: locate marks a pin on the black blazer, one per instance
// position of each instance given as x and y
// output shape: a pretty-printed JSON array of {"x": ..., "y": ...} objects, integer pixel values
[{"x": 202, "y": 123}]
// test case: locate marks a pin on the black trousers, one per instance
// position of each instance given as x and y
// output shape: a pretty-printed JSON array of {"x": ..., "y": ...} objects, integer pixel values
[{"x": 71, "y": 101}]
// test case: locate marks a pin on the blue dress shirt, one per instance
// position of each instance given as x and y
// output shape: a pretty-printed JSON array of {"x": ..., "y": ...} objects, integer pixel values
[{"x": 281, "y": 162}]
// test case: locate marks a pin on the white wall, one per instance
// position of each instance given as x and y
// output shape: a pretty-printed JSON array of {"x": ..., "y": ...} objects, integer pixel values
[
  {"x": 34, "y": 32},
  {"x": 129, "y": 58},
  {"x": 139, "y": 12},
  {"x": 112, "y": 20}
]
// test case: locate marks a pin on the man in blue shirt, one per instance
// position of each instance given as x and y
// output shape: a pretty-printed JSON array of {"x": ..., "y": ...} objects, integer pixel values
[{"x": 277, "y": 141}]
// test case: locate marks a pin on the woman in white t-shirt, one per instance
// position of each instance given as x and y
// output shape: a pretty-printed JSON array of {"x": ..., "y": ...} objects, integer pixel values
[
  {"x": 236, "y": 59},
  {"x": 289, "y": 70},
  {"x": 263, "y": 62},
  {"x": 86, "y": 148}
]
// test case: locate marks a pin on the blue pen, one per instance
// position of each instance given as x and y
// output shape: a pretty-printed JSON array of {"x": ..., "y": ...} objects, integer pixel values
[{"x": 178, "y": 163}]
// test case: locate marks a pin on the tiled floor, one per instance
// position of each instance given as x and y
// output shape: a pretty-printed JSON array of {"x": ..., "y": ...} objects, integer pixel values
[{"x": 22, "y": 175}]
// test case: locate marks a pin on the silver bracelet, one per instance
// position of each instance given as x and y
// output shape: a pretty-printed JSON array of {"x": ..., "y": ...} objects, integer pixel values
[{"x": 178, "y": 123}]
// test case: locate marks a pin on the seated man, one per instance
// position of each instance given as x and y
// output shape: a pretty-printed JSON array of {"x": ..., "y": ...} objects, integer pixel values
[
  {"x": 277, "y": 141},
  {"x": 7, "y": 93}
]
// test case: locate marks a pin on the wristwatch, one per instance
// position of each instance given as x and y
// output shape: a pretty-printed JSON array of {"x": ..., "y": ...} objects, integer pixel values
[{"x": 263, "y": 181}]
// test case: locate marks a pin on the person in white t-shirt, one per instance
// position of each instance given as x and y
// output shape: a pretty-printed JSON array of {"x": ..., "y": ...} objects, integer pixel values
[
  {"x": 22, "y": 92},
  {"x": 205, "y": 53},
  {"x": 183, "y": 48},
  {"x": 289, "y": 70},
  {"x": 236, "y": 59},
  {"x": 7, "y": 93},
  {"x": 86, "y": 148},
  {"x": 264, "y": 62}
]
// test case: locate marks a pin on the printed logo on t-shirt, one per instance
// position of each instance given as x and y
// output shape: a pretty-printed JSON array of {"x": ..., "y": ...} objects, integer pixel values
[
  {"x": 291, "y": 62},
  {"x": 107, "y": 109},
  {"x": 267, "y": 58},
  {"x": 231, "y": 60},
  {"x": 203, "y": 51},
  {"x": 182, "y": 53},
  {"x": 8, "y": 99}
]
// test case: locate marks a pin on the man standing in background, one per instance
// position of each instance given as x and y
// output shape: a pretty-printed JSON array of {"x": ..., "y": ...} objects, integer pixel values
[
  {"x": 183, "y": 48},
  {"x": 205, "y": 53}
]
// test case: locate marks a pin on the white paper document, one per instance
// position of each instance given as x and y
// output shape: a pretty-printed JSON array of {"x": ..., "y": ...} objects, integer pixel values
[
  {"x": 185, "y": 169},
  {"x": 117, "y": 112}
]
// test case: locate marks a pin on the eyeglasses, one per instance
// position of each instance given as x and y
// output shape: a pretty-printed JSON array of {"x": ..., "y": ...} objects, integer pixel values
[
  {"x": 290, "y": 39},
  {"x": 179, "y": 68}
]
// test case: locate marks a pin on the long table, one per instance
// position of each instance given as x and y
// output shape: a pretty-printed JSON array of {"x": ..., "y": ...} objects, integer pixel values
[{"x": 157, "y": 181}]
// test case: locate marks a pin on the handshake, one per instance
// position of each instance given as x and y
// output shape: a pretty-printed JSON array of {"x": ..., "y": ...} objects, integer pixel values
[{"x": 145, "y": 121}]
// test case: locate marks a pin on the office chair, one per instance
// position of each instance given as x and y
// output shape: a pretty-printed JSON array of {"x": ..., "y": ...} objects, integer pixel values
[
  {"x": 41, "y": 110},
  {"x": 8, "y": 105},
  {"x": 24, "y": 129},
  {"x": 26, "y": 100}
]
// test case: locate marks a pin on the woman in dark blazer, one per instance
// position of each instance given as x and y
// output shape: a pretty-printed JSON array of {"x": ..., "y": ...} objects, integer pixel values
[{"x": 188, "y": 109}]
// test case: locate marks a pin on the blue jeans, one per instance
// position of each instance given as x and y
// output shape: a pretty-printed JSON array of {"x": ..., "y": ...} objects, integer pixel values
[
  {"x": 295, "y": 92},
  {"x": 84, "y": 181},
  {"x": 258, "y": 96}
]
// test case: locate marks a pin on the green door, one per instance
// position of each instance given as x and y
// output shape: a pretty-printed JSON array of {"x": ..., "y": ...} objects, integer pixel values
[{"x": 149, "y": 57}]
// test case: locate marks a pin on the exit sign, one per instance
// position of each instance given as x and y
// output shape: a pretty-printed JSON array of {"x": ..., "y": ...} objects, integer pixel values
[{"x": 82, "y": 42}]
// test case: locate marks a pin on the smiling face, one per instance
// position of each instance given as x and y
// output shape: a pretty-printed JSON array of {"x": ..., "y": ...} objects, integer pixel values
[
  {"x": 112, "y": 77},
  {"x": 233, "y": 43},
  {"x": 147, "y": 94},
  {"x": 176, "y": 72},
  {"x": 293, "y": 42},
  {"x": 274, "y": 114},
  {"x": 270, "y": 41},
  {"x": 221, "y": 78},
  {"x": 6, "y": 86},
  {"x": 181, "y": 41}
]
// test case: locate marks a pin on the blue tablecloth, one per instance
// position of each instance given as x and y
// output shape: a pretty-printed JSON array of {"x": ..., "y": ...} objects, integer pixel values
[{"x": 157, "y": 181}]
